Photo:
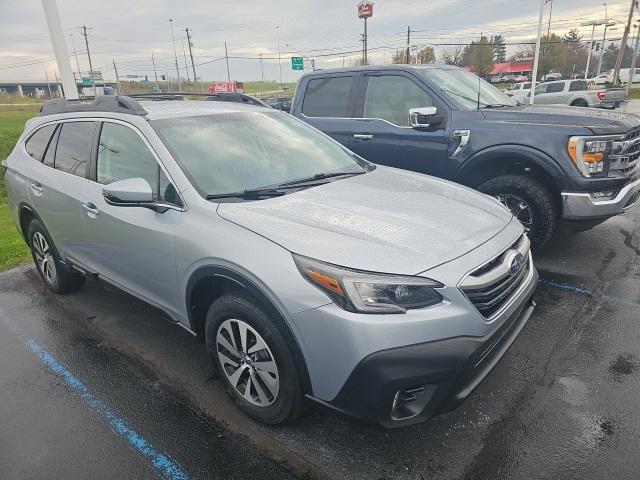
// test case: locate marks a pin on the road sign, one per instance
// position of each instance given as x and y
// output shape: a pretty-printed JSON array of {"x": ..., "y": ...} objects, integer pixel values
[
  {"x": 86, "y": 81},
  {"x": 297, "y": 63}
]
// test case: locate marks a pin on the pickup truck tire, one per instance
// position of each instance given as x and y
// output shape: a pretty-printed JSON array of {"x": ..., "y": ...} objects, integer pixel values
[
  {"x": 579, "y": 103},
  {"x": 262, "y": 358},
  {"x": 55, "y": 275},
  {"x": 534, "y": 204}
]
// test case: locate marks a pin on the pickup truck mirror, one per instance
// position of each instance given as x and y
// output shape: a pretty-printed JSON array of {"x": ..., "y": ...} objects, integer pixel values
[{"x": 420, "y": 117}]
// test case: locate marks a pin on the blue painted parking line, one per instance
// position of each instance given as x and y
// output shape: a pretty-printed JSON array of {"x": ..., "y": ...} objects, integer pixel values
[
  {"x": 585, "y": 291},
  {"x": 167, "y": 467}
]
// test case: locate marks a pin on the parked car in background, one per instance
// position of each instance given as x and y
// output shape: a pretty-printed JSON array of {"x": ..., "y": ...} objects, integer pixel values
[
  {"x": 281, "y": 103},
  {"x": 577, "y": 94},
  {"x": 623, "y": 76},
  {"x": 309, "y": 272},
  {"x": 553, "y": 167},
  {"x": 496, "y": 79},
  {"x": 519, "y": 91},
  {"x": 509, "y": 78},
  {"x": 600, "y": 79},
  {"x": 552, "y": 76},
  {"x": 521, "y": 78}
]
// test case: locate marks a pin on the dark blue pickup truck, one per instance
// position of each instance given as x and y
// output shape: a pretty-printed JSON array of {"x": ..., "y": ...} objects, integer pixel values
[{"x": 552, "y": 166}]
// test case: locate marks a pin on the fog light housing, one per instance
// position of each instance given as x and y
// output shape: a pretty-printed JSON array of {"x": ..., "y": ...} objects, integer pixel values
[
  {"x": 410, "y": 402},
  {"x": 606, "y": 195}
]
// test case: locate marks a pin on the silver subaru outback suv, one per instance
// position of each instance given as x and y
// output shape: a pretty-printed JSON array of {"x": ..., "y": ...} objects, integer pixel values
[{"x": 310, "y": 273}]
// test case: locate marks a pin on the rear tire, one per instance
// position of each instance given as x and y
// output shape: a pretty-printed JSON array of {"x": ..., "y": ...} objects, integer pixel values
[
  {"x": 45, "y": 255},
  {"x": 579, "y": 103},
  {"x": 531, "y": 203},
  {"x": 258, "y": 369}
]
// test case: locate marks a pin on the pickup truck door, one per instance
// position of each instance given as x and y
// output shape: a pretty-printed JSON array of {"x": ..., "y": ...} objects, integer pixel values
[
  {"x": 327, "y": 104},
  {"x": 382, "y": 133},
  {"x": 551, "y": 93}
]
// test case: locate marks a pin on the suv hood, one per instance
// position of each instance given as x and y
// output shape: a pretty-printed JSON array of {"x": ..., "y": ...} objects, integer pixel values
[
  {"x": 599, "y": 121},
  {"x": 387, "y": 220}
]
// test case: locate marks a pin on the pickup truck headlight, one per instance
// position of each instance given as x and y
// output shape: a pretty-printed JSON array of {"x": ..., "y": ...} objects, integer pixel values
[
  {"x": 589, "y": 153},
  {"x": 367, "y": 292}
]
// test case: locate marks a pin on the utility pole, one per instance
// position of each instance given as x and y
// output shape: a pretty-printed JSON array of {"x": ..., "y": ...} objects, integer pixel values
[
  {"x": 86, "y": 41},
  {"x": 175, "y": 55},
  {"x": 155, "y": 72},
  {"x": 408, "y": 40},
  {"x": 366, "y": 61},
  {"x": 632, "y": 68},
  {"x": 226, "y": 56},
  {"x": 59, "y": 47},
  {"x": 623, "y": 43},
  {"x": 536, "y": 57},
  {"x": 184, "y": 56},
  {"x": 279, "y": 60},
  {"x": 549, "y": 25},
  {"x": 193, "y": 65},
  {"x": 46, "y": 75},
  {"x": 261, "y": 69},
  {"x": 115, "y": 69},
  {"x": 75, "y": 54}
]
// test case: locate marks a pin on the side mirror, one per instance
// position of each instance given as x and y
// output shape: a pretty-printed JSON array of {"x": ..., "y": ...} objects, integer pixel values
[
  {"x": 422, "y": 117},
  {"x": 132, "y": 192}
]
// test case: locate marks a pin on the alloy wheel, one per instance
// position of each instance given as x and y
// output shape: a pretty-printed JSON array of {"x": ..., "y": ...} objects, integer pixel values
[
  {"x": 518, "y": 207},
  {"x": 44, "y": 258},
  {"x": 247, "y": 362}
]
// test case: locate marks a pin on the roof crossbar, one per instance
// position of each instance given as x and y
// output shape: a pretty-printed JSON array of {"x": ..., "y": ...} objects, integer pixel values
[{"x": 101, "y": 103}]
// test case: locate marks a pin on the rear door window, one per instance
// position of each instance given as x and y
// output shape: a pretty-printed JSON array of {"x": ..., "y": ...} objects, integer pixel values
[
  {"x": 74, "y": 146},
  {"x": 37, "y": 143},
  {"x": 577, "y": 85},
  {"x": 555, "y": 87},
  {"x": 328, "y": 97}
]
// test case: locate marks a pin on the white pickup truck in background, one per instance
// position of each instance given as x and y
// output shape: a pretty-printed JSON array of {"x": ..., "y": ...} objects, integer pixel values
[{"x": 576, "y": 93}]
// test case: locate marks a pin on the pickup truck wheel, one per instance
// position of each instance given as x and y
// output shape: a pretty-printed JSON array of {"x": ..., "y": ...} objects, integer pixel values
[
  {"x": 253, "y": 360},
  {"x": 54, "y": 274},
  {"x": 529, "y": 201},
  {"x": 579, "y": 103}
]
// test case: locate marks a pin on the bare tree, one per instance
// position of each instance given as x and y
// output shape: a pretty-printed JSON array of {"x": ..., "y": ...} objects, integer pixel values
[{"x": 453, "y": 55}]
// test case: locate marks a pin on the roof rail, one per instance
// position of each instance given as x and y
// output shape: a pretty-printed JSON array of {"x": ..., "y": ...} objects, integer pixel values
[
  {"x": 234, "y": 97},
  {"x": 101, "y": 103}
]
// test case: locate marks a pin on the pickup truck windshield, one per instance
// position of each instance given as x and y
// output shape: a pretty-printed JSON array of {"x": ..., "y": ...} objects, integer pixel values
[
  {"x": 462, "y": 87},
  {"x": 236, "y": 152}
]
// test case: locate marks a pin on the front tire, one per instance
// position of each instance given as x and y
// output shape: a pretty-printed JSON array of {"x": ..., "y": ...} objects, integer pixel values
[
  {"x": 253, "y": 360},
  {"x": 529, "y": 201},
  {"x": 45, "y": 255}
]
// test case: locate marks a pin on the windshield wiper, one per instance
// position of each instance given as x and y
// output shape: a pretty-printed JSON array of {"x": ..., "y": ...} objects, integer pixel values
[
  {"x": 248, "y": 194},
  {"x": 316, "y": 177}
]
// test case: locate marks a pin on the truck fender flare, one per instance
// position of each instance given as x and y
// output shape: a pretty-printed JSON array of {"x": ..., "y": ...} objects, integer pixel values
[{"x": 516, "y": 152}]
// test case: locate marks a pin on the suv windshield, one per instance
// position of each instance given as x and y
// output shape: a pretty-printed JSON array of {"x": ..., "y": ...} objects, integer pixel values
[
  {"x": 463, "y": 88},
  {"x": 228, "y": 153}
]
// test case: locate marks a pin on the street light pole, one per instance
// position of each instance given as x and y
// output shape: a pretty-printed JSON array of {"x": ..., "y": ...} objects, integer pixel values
[
  {"x": 279, "y": 62},
  {"x": 175, "y": 55},
  {"x": 604, "y": 39},
  {"x": 586, "y": 70},
  {"x": 60, "y": 48},
  {"x": 536, "y": 57}
]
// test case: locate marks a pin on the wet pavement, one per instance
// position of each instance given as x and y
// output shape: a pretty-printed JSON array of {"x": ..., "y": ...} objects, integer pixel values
[{"x": 561, "y": 404}]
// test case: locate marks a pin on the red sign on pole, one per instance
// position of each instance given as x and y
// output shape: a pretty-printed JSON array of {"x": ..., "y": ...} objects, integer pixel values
[{"x": 365, "y": 9}]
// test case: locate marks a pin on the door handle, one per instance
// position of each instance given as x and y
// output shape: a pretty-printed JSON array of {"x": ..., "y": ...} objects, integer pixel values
[
  {"x": 37, "y": 188},
  {"x": 363, "y": 136},
  {"x": 90, "y": 208}
]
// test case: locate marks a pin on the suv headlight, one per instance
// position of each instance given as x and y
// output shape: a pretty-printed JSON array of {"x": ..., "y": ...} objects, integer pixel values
[
  {"x": 368, "y": 292},
  {"x": 590, "y": 153}
]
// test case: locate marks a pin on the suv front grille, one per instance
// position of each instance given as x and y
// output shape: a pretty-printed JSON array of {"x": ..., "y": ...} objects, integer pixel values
[{"x": 492, "y": 285}]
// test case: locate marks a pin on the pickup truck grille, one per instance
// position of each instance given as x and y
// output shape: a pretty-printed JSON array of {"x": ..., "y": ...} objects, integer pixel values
[
  {"x": 492, "y": 285},
  {"x": 626, "y": 152}
]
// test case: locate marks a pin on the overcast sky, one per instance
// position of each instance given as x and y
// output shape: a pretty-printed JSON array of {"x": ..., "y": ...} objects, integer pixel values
[{"x": 129, "y": 31}]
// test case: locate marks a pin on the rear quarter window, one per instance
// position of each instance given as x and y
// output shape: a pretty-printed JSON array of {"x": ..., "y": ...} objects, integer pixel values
[
  {"x": 74, "y": 147},
  {"x": 327, "y": 97},
  {"x": 36, "y": 145}
]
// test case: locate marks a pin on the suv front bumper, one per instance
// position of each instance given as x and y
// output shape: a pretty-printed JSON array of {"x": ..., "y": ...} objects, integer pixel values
[{"x": 582, "y": 206}]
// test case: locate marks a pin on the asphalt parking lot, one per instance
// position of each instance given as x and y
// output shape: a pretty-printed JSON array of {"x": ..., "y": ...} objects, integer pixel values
[{"x": 98, "y": 385}]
